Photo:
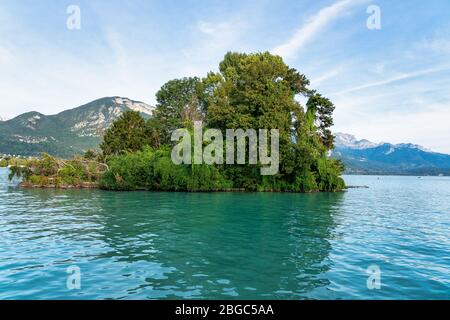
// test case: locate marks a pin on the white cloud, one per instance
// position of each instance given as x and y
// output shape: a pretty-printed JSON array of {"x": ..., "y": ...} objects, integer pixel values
[
  {"x": 210, "y": 40},
  {"x": 6, "y": 56},
  {"x": 220, "y": 35},
  {"x": 312, "y": 27},
  {"x": 315, "y": 82},
  {"x": 438, "y": 42},
  {"x": 438, "y": 45},
  {"x": 379, "y": 68},
  {"x": 210, "y": 28},
  {"x": 404, "y": 76},
  {"x": 114, "y": 40}
]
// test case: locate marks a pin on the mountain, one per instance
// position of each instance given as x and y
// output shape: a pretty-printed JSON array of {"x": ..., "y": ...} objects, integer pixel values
[
  {"x": 365, "y": 157},
  {"x": 67, "y": 133}
]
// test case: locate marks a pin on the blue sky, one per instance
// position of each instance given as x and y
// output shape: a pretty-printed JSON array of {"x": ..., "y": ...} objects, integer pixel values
[{"x": 388, "y": 85}]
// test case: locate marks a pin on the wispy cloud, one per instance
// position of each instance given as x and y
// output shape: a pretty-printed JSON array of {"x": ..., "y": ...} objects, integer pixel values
[
  {"x": 114, "y": 40},
  {"x": 209, "y": 41},
  {"x": 401, "y": 77},
  {"x": 315, "y": 82},
  {"x": 438, "y": 45},
  {"x": 6, "y": 57},
  {"x": 220, "y": 35},
  {"x": 313, "y": 26}
]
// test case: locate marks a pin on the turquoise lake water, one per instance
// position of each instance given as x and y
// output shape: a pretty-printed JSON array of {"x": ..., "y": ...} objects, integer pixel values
[{"x": 147, "y": 245}]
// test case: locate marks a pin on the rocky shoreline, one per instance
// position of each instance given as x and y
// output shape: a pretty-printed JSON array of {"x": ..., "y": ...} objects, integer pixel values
[
  {"x": 84, "y": 185},
  {"x": 93, "y": 185}
]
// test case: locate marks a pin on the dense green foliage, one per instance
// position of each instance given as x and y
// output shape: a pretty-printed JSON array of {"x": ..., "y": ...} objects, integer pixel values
[
  {"x": 48, "y": 171},
  {"x": 154, "y": 170},
  {"x": 250, "y": 91},
  {"x": 12, "y": 161},
  {"x": 128, "y": 133},
  {"x": 256, "y": 91},
  {"x": 179, "y": 102}
]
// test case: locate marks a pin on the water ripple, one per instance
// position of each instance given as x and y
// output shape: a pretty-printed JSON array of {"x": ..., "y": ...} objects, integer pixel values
[{"x": 228, "y": 245}]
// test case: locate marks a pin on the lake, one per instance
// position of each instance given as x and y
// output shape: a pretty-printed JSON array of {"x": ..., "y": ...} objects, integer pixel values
[{"x": 147, "y": 245}]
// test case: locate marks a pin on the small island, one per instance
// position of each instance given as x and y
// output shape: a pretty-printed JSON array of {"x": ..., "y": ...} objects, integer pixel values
[{"x": 250, "y": 91}]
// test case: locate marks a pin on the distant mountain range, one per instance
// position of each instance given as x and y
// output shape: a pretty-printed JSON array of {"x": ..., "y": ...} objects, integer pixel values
[
  {"x": 365, "y": 157},
  {"x": 67, "y": 133},
  {"x": 76, "y": 130}
]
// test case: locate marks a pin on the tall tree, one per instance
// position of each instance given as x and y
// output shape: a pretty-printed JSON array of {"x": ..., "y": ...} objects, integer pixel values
[
  {"x": 128, "y": 133},
  {"x": 258, "y": 91},
  {"x": 320, "y": 115},
  {"x": 255, "y": 91},
  {"x": 155, "y": 132},
  {"x": 179, "y": 101}
]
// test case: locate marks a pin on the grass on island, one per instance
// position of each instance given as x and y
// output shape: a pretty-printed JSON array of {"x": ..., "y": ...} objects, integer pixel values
[{"x": 48, "y": 171}]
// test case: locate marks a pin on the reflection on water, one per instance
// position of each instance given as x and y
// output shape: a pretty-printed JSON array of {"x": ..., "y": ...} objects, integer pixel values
[{"x": 146, "y": 245}]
